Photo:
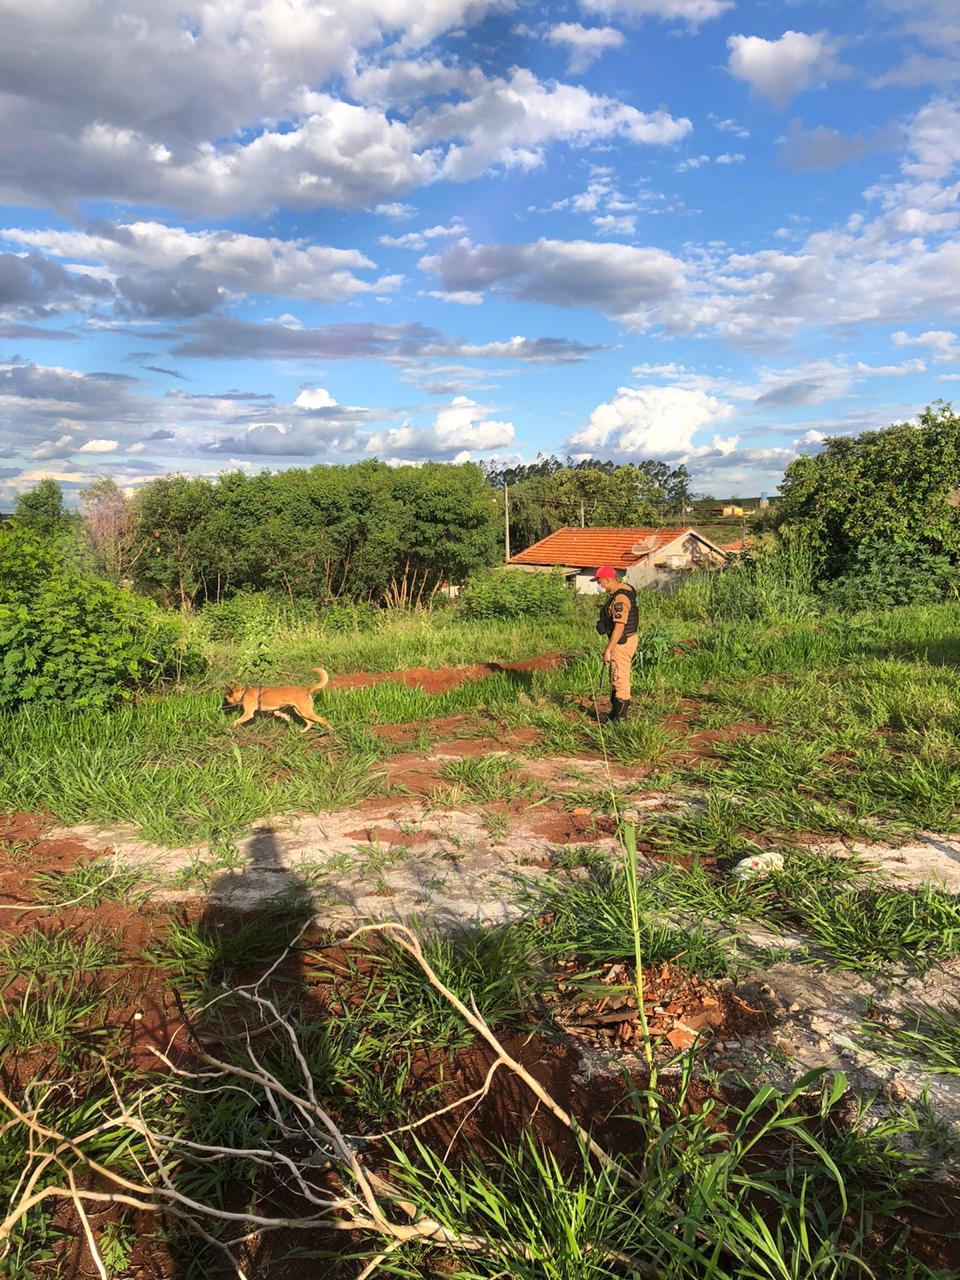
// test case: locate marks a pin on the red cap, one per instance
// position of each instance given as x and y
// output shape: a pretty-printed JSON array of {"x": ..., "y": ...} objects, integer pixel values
[{"x": 605, "y": 571}]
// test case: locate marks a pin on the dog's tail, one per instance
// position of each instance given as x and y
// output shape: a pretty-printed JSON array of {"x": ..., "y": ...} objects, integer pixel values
[{"x": 323, "y": 681}]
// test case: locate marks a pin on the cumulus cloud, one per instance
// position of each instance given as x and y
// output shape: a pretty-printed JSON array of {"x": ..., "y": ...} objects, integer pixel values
[
  {"x": 166, "y": 270},
  {"x": 778, "y": 69},
  {"x": 314, "y": 398},
  {"x": 655, "y": 422},
  {"x": 99, "y": 446},
  {"x": 129, "y": 104},
  {"x": 31, "y": 284},
  {"x": 460, "y": 429},
  {"x": 584, "y": 44},
  {"x": 943, "y": 344},
  {"x": 233, "y": 111},
  {"x": 628, "y": 282},
  {"x": 511, "y": 121}
]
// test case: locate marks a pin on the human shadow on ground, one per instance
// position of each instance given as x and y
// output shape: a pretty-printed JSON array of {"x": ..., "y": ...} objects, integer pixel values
[{"x": 252, "y": 935}]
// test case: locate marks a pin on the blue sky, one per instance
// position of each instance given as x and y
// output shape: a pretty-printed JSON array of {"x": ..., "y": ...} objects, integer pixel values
[{"x": 247, "y": 233}]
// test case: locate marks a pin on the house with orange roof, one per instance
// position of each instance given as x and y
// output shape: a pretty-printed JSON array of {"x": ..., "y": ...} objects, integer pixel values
[{"x": 656, "y": 558}]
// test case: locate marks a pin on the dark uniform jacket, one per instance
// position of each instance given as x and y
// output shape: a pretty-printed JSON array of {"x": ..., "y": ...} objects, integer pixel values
[{"x": 619, "y": 606}]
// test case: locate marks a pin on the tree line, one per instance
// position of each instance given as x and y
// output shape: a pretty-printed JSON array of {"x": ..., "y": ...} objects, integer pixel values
[{"x": 366, "y": 531}]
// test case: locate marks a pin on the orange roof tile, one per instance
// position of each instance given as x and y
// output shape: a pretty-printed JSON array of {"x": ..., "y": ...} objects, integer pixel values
[{"x": 590, "y": 548}]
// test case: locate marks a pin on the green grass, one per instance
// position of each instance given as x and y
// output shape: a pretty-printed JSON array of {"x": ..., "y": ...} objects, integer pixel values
[
  {"x": 47, "y": 1017},
  {"x": 486, "y": 779},
  {"x": 440, "y": 639},
  {"x": 922, "y": 1035},
  {"x": 201, "y": 956},
  {"x": 590, "y": 920},
  {"x": 45, "y": 953},
  {"x": 87, "y": 883},
  {"x": 703, "y": 1205},
  {"x": 863, "y": 720}
]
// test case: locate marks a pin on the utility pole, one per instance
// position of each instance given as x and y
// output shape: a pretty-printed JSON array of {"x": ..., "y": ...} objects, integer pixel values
[
  {"x": 583, "y": 523},
  {"x": 506, "y": 520}
]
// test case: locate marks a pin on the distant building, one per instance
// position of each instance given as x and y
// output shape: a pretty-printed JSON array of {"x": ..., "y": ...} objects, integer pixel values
[
  {"x": 727, "y": 510},
  {"x": 764, "y": 502},
  {"x": 654, "y": 558}
]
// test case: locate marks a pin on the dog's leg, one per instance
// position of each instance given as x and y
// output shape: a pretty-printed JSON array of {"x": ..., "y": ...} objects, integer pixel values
[
  {"x": 244, "y": 719},
  {"x": 282, "y": 715},
  {"x": 312, "y": 719}
]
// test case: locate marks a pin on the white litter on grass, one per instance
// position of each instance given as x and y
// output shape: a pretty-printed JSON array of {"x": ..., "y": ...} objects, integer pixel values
[{"x": 760, "y": 864}]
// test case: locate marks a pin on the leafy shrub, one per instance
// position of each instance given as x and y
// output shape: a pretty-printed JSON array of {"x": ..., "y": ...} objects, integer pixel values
[
  {"x": 69, "y": 637},
  {"x": 512, "y": 593},
  {"x": 880, "y": 575}
]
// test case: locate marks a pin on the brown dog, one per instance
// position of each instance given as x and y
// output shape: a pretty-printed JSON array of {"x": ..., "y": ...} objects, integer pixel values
[{"x": 273, "y": 698}]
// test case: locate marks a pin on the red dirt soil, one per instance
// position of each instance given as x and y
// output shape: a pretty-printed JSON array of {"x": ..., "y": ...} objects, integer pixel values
[{"x": 439, "y": 680}]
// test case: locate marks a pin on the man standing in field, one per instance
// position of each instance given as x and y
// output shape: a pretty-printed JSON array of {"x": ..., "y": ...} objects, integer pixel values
[{"x": 618, "y": 622}]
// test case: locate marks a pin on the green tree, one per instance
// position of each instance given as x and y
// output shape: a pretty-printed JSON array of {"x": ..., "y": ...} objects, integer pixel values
[
  {"x": 41, "y": 509},
  {"x": 899, "y": 486},
  {"x": 180, "y": 552},
  {"x": 548, "y": 495}
]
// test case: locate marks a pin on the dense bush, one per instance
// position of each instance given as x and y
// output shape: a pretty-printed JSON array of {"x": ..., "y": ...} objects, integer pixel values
[
  {"x": 71, "y": 638},
  {"x": 881, "y": 575},
  {"x": 512, "y": 593},
  {"x": 897, "y": 486},
  {"x": 774, "y": 583},
  {"x": 251, "y": 614}
]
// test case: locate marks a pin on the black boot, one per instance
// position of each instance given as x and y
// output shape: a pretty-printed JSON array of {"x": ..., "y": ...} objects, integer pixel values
[
  {"x": 620, "y": 711},
  {"x": 613, "y": 715}
]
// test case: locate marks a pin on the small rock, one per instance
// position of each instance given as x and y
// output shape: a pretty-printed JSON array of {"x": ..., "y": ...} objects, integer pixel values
[{"x": 794, "y": 1008}]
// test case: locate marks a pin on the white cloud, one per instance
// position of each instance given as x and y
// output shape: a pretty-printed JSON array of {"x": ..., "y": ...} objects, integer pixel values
[
  {"x": 460, "y": 429},
  {"x": 511, "y": 121},
  {"x": 935, "y": 24},
  {"x": 232, "y": 112},
  {"x": 611, "y": 224},
  {"x": 691, "y": 162},
  {"x": 692, "y": 12},
  {"x": 228, "y": 260},
  {"x": 635, "y": 284},
  {"x": 314, "y": 398},
  {"x": 779, "y": 69},
  {"x": 586, "y": 44},
  {"x": 728, "y": 126},
  {"x": 943, "y": 344},
  {"x": 130, "y": 103},
  {"x": 655, "y": 422},
  {"x": 736, "y": 157},
  {"x": 397, "y": 211},
  {"x": 63, "y": 447},
  {"x": 418, "y": 240},
  {"x": 99, "y": 446}
]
